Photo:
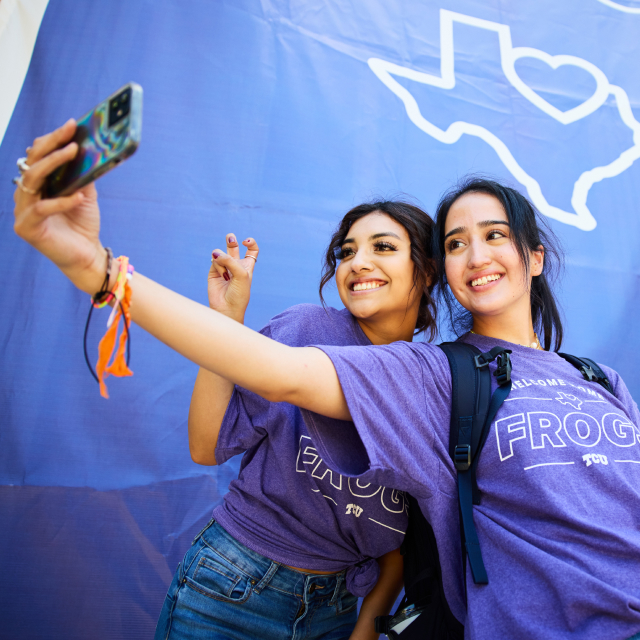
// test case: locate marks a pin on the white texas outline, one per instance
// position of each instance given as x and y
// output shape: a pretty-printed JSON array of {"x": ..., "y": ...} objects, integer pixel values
[
  {"x": 619, "y": 7},
  {"x": 581, "y": 217}
]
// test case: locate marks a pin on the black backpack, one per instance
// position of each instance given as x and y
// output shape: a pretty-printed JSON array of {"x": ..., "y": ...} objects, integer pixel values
[{"x": 424, "y": 613}]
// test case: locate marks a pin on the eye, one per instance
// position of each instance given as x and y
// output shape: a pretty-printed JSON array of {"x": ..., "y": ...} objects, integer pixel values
[
  {"x": 496, "y": 234},
  {"x": 384, "y": 246},
  {"x": 344, "y": 252},
  {"x": 454, "y": 244}
]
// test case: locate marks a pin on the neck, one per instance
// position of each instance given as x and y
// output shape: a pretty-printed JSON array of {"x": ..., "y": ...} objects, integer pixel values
[
  {"x": 518, "y": 330},
  {"x": 389, "y": 330}
]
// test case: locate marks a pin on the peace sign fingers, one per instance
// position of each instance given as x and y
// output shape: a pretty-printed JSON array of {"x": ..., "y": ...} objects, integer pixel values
[{"x": 251, "y": 257}]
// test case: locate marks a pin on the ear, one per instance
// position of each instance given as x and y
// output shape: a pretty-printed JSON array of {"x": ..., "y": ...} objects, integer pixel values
[
  {"x": 537, "y": 261},
  {"x": 430, "y": 275}
]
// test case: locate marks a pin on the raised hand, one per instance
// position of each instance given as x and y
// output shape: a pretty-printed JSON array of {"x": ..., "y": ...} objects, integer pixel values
[
  {"x": 230, "y": 278},
  {"x": 67, "y": 229}
]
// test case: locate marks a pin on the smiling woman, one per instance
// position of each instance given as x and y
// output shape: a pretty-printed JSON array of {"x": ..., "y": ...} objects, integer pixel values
[
  {"x": 542, "y": 551},
  {"x": 383, "y": 245},
  {"x": 286, "y": 506},
  {"x": 496, "y": 261}
]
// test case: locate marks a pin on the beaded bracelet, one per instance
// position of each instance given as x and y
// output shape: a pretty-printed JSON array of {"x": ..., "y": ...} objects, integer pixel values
[{"x": 104, "y": 296}]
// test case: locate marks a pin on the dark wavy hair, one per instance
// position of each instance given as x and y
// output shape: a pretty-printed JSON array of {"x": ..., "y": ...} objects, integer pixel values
[
  {"x": 528, "y": 232},
  {"x": 419, "y": 227}
]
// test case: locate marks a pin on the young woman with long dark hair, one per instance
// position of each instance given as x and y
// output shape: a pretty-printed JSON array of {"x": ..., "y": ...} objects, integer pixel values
[
  {"x": 332, "y": 539},
  {"x": 560, "y": 535}
]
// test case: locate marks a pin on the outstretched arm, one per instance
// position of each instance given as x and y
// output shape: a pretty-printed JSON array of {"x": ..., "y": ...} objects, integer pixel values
[
  {"x": 229, "y": 289},
  {"x": 66, "y": 230},
  {"x": 303, "y": 376}
]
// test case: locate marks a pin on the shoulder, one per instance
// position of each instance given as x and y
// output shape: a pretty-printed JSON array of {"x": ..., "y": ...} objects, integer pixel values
[
  {"x": 307, "y": 324},
  {"x": 619, "y": 387},
  {"x": 612, "y": 374},
  {"x": 621, "y": 392},
  {"x": 430, "y": 353},
  {"x": 306, "y": 311},
  {"x": 302, "y": 314},
  {"x": 434, "y": 364}
]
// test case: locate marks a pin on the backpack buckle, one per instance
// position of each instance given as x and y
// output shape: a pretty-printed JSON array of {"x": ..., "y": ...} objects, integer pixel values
[
  {"x": 588, "y": 373},
  {"x": 462, "y": 457},
  {"x": 480, "y": 361},
  {"x": 503, "y": 370}
]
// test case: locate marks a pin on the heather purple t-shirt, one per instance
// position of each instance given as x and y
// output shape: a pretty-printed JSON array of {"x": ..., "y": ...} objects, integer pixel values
[
  {"x": 286, "y": 503},
  {"x": 559, "y": 522}
]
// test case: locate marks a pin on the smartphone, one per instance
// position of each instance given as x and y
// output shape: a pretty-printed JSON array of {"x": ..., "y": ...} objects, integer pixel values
[{"x": 107, "y": 135}]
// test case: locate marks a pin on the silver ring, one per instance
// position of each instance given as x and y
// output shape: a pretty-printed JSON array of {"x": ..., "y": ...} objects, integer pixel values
[
  {"x": 22, "y": 165},
  {"x": 253, "y": 257},
  {"x": 18, "y": 182}
]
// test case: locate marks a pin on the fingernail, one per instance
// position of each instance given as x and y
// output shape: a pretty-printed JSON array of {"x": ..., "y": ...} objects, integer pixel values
[
  {"x": 225, "y": 275},
  {"x": 232, "y": 239},
  {"x": 216, "y": 254},
  {"x": 248, "y": 240}
]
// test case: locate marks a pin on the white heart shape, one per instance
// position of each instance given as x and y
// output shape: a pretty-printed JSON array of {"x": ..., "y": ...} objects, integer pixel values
[{"x": 565, "y": 117}]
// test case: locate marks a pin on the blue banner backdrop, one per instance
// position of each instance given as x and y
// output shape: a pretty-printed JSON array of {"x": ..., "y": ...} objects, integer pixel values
[{"x": 271, "y": 118}]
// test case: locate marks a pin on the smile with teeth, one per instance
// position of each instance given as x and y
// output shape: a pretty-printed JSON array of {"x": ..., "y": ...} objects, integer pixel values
[
  {"x": 364, "y": 286},
  {"x": 485, "y": 280}
]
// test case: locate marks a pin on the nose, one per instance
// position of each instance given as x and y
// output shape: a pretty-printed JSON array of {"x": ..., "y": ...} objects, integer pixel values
[
  {"x": 361, "y": 262},
  {"x": 479, "y": 255}
]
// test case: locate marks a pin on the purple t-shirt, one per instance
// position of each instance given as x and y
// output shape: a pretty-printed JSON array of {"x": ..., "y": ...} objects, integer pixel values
[
  {"x": 559, "y": 522},
  {"x": 286, "y": 503}
]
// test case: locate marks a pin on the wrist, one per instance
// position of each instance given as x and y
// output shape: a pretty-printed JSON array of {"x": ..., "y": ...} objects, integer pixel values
[{"x": 91, "y": 278}]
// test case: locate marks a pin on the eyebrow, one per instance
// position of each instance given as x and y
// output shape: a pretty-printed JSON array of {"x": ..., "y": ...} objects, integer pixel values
[
  {"x": 374, "y": 237},
  {"x": 482, "y": 225}
]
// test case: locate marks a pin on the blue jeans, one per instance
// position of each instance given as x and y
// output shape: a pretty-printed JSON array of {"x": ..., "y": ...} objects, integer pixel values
[{"x": 222, "y": 589}]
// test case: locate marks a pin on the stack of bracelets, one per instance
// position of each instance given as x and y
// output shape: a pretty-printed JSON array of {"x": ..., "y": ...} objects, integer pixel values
[{"x": 120, "y": 296}]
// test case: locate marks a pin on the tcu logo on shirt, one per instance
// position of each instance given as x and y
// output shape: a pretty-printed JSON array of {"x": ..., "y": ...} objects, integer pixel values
[
  {"x": 354, "y": 509},
  {"x": 595, "y": 457}
]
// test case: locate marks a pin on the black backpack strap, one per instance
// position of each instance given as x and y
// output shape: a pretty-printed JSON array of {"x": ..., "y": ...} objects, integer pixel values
[
  {"x": 423, "y": 586},
  {"x": 589, "y": 370},
  {"x": 472, "y": 412}
]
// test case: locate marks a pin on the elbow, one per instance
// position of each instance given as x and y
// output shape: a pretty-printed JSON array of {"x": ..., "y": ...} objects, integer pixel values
[
  {"x": 202, "y": 451},
  {"x": 205, "y": 458}
]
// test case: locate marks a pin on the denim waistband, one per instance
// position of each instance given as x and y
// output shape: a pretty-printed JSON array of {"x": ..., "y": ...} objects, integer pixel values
[{"x": 264, "y": 572}]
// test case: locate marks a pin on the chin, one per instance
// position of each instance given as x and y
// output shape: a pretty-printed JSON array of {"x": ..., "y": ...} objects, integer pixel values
[
  {"x": 361, "y": 311},
  {"x": 487, "y": 311}
]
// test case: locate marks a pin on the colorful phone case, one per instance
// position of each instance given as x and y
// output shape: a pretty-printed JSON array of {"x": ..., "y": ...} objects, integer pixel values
[{"x": 102, "y": 146}]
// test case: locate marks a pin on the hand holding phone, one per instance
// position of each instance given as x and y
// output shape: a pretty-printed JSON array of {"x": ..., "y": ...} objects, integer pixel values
[
  {"x": 67, "y": 229},
  {"x": 107, "y": 135}
]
